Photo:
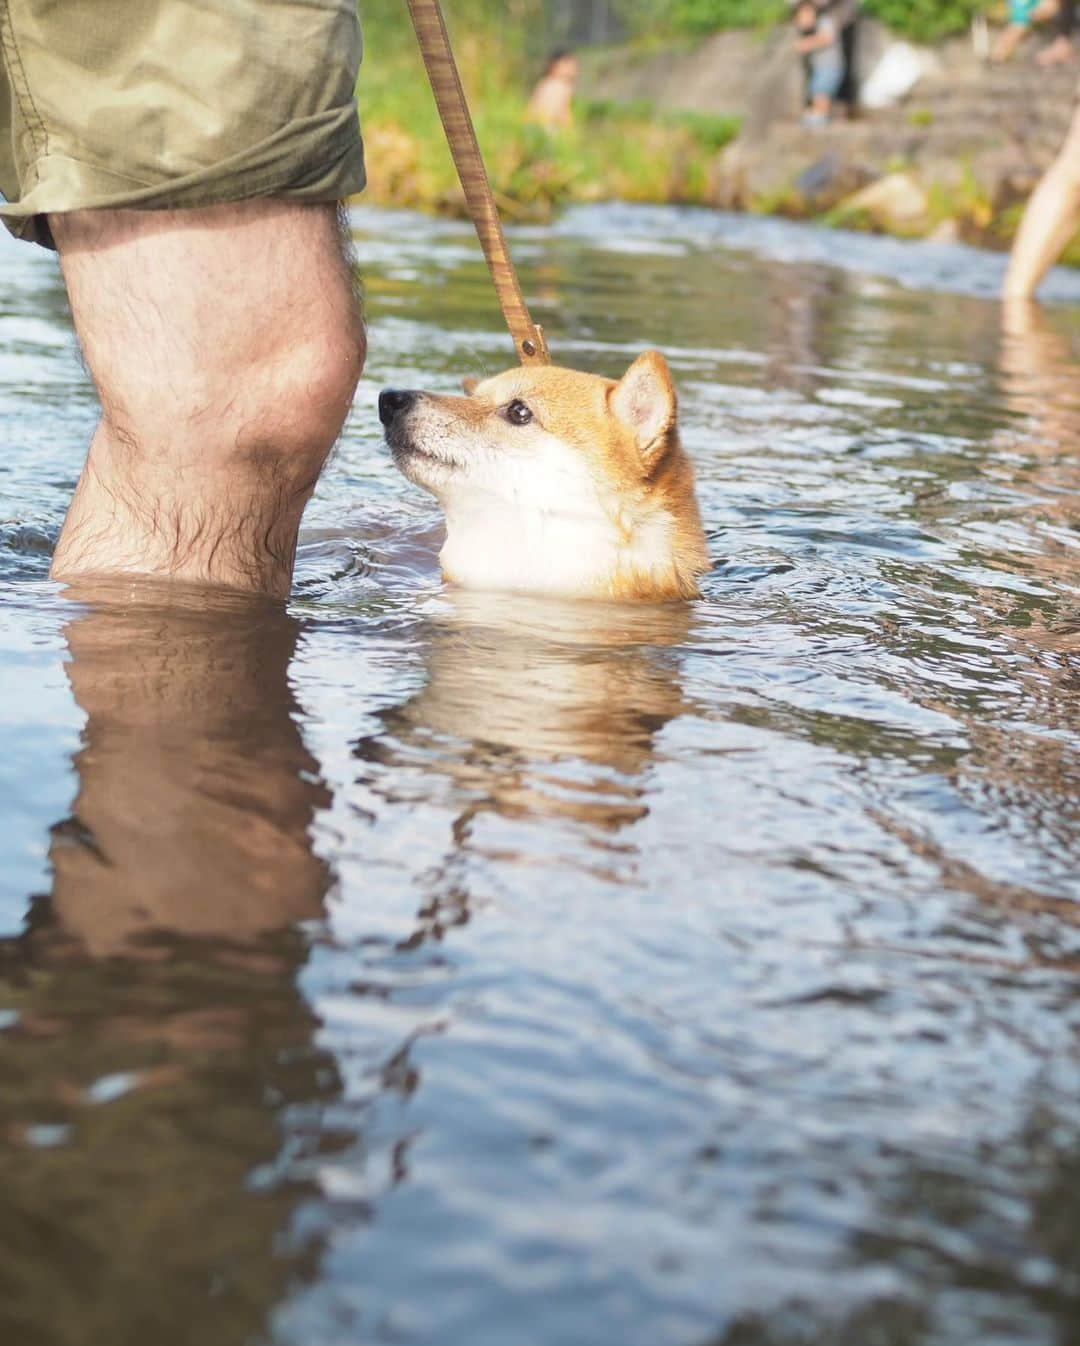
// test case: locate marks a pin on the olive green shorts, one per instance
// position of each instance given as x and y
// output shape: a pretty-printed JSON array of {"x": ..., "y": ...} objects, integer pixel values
[{"x": 159, "y": 104}]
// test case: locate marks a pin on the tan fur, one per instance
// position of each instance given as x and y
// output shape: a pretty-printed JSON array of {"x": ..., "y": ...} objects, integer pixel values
[{"x": 598, "y": 478}]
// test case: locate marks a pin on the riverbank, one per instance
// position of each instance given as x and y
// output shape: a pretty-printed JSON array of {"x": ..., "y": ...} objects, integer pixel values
[
  {"x": 717, "y": 123},
  {"x": 618, "y": 149},
  {"x": 956, "y": 159}
]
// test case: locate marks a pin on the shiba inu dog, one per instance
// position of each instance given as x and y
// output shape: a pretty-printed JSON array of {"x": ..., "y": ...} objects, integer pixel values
[{"x": 556, "y": 482}]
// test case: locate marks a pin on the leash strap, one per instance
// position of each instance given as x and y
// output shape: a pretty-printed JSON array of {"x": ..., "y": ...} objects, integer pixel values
[{"x": 438, "y": 54}]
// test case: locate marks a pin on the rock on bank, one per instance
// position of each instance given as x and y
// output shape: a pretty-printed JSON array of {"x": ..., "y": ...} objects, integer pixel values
[{"x": 955, "y": 158}]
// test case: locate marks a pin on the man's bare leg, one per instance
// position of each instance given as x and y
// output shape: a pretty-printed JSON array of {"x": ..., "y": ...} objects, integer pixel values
[
  {"x": 226, "y": 344},
  {"x": 1049, "y": 221}
]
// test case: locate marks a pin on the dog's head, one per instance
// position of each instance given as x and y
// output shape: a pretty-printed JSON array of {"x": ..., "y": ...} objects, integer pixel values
[{"x": 557, "y": 482}]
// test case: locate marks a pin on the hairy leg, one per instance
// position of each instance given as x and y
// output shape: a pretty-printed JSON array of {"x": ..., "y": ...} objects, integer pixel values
[
  {"x": 1049, "y": 221},
  {"x": 225, "y": 344}
]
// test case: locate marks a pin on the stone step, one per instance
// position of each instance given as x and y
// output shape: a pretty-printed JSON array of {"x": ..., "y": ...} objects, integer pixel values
[
  {"x": 879, "y": 146},
  {"x": 989, "y": 99},
  {"x": 946, "y": 137},
  {"x": 990, "y": 108},
  {"x": 1013, "y": 74},
  {"x": 990, "y": 92},
  {"x": 993, "y": 107},
  {"x": 975, "y": 120},
  {"x": 979, "y": 129}
]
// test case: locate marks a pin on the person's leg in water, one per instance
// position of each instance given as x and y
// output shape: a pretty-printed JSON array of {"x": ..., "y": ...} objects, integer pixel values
[
  {"x": 226, "y": 343},
  {"x": 1049, "y": 221},
  {"x": 185, "y": 159}
]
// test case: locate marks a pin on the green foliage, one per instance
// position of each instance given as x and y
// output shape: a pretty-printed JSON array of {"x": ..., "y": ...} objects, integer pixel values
[
  {"x": 630, "y": 151},
  {"x": 1071, "y": 255},
  {"x": 709, "y": 131},
  {"x": 926, "y": 20},
  {"x": 702, "y": 16},
  {"x": 712, "y": 132},
  {"x": 527, "y": 28},
  {"x": 922, "y": 20}
]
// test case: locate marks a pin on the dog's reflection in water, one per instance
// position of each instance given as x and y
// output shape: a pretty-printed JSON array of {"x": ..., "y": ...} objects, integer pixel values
[{"x": 536, "y": 710}]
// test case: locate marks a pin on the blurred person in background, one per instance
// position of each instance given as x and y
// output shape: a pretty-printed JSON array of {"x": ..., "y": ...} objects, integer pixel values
[
  {"x": 552, "y": 101},
  {"x": 1023, "y": 14},
  {"x": 818, "y": 42}
]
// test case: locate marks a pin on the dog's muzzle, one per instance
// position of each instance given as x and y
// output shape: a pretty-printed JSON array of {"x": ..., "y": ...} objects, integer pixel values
[{"x": 394, "y": 402}]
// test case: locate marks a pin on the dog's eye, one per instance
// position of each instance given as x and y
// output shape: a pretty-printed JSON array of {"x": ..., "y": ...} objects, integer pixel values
[{"x": 517, "y": 413}]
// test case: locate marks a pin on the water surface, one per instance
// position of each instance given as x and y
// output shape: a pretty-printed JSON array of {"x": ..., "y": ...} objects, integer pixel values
[{"x": 415, "y": 967}]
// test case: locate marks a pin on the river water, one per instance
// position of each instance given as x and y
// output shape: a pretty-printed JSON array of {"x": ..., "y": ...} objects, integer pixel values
[{"x": 406, "y": 966}]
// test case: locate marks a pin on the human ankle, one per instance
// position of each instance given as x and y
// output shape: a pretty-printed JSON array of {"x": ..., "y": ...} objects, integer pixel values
[{"x": 129, "y": 516}]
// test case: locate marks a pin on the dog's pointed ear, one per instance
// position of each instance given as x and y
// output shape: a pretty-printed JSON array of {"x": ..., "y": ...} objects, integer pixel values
[
  {"x": 645, "y": 400},
  {"x": 469, "y": 386}
]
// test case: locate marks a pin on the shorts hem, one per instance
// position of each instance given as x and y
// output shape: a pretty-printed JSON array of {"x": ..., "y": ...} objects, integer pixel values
[{"x": 319, "y": 159}]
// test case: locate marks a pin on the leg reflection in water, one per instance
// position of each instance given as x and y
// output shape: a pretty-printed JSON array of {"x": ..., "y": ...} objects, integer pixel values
[{"x": 153, "y": 1032}]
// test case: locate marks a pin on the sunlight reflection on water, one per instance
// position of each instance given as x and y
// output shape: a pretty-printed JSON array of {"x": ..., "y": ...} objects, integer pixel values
[{"x": 428, "y": 967}]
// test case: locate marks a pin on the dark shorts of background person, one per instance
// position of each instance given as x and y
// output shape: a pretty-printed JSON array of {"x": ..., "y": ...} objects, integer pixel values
[
  {"x": 1065, "y": 18},
  {"x": 848, "y": 92},
  {"x": 164, "y": 104}
]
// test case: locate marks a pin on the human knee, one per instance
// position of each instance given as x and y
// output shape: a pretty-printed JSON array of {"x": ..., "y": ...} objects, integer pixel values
[
  {"x": 298, "y": 403},
  {"x": 247, "y": 410},
  {"x": 210, "y": 331}
]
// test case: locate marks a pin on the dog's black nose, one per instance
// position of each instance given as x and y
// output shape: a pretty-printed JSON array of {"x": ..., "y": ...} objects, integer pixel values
[{"x": 393, "y": 402}]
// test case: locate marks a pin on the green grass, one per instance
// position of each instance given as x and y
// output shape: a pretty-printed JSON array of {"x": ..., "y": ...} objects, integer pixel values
[
  {"x": 922, "y": 20},
  {"x": 625, "y": 151}
]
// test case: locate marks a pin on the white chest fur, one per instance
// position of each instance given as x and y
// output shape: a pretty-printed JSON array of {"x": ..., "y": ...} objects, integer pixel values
[{"x": 545, "y": 550}]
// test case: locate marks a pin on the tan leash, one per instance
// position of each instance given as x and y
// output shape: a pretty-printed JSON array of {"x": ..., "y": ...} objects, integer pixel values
[{"x": 427, "y": 17}]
